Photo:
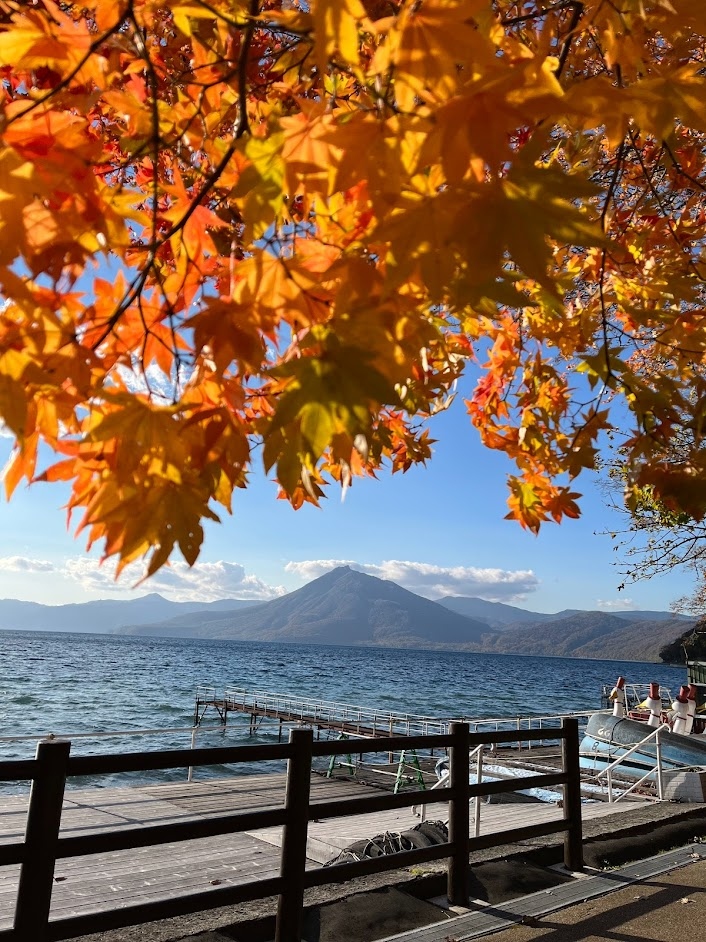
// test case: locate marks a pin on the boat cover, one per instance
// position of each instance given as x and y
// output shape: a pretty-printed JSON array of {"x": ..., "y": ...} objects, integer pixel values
[{"x": 615, "y": 734}]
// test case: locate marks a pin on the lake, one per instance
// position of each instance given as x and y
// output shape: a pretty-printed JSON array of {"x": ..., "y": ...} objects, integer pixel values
[{"x": 74, "y": 683}]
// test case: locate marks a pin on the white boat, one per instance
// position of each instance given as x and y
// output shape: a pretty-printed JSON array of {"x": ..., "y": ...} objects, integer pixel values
[{"x": 631, "y": 731}]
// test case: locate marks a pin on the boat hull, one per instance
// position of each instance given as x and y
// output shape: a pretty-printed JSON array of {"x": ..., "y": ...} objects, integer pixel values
[{"x": 607, "y": 738}]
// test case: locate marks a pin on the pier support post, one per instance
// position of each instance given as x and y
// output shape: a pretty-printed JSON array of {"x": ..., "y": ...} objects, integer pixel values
[
  {"x": 290, "y": 904},
  {"x": 41, "y": 838},
  {"x": 573, "y": 837},
  {"x": 459, "y": 815}
]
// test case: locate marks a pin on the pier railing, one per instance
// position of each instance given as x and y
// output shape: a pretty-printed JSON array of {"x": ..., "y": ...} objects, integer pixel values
[
  {"x": 44, "y": 844},
  {"x": 362, "y": 720},
  {"x": 345, "y": 715}
]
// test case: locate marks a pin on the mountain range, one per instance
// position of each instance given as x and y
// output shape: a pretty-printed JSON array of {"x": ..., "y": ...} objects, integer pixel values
[
  {"x": 104, "y": 615},
  {"x": 345, "y": 606}
]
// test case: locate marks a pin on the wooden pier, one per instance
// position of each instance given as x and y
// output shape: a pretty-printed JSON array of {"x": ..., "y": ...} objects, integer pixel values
[
  {"x": 318, "y": 714},
  {"x": 349, "y": 720},
  {"x": 77, "y": 862},
  {"x": 107, "y": 882}
]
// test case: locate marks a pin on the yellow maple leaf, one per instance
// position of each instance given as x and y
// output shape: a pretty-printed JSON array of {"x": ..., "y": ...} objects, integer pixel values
[
  {"x": 421, "y": 42},
  {"x": 336, "y": 31}
]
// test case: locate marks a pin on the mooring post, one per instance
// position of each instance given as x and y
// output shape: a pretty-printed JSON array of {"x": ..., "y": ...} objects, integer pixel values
[
  {"x": 41, "y": 839},
  {"x": 573, "y": 837},
  {"x": 290, "y": 905},
  {"x": 459, "y": 816}
]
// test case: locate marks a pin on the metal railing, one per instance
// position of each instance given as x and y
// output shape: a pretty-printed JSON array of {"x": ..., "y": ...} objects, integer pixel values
[
  {"x": 652, "y": 772},
  {"x": 402, "y": 768},
  {"x": 370, "y": 721},
  {"x": 311, "y": 710},
  {"x": 476, "y": 753},
  {"x": 111, "y": 734},
  {"x": 636, "y": 694},
  {"x": 548, "y": 724},
  {"x": 43, "y": 843}
]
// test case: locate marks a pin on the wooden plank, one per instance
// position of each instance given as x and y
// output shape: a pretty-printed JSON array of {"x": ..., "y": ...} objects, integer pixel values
[
  {"x": 93, "y": 810},
  {"x": 105, "y": 881},
  {"x": 328, "y": 838},
  {"x": 100, "y": 882}
]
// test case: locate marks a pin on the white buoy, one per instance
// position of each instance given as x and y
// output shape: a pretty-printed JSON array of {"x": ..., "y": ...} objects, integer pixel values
[
  {"x": 617, "y": 695},
  {"x": 681, "y": 711},
  {"x": 654, "y": 705}
]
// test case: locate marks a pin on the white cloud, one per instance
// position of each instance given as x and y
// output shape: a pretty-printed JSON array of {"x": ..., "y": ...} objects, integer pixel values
[
  {"x": 615, "y": 605},
  {"x": 203, "y": 582},
  {"x": 154, "y": 381},
  {"x": 494, "y": 585},
  {"x": 211, "y": 581},
  {"x": 25, "y": 564}
]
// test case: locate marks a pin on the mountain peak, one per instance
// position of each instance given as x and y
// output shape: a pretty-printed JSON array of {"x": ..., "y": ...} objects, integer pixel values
[{"x": 343, "y": 606}]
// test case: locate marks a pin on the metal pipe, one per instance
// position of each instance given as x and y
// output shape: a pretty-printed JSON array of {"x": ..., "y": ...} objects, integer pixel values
[
  {"x": 479, "y": 779},
  {"x": 190, "y": 773}
]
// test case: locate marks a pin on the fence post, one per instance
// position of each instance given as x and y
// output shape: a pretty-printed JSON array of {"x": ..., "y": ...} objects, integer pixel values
[
  {"x": 41, "y": 837},
  {"x": 459, "y": 816},
  {"x": 573, "y": 836},
  {"x": 290, "y": 904}
]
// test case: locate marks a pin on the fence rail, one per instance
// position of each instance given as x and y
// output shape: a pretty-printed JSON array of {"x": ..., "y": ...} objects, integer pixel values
[{"x": 43, "y": 844}]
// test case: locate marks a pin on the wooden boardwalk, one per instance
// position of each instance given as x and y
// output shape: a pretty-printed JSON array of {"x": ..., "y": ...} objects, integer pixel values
[
  {"x": 348, "y": 719},
  {"x": 109, "y": 881}
]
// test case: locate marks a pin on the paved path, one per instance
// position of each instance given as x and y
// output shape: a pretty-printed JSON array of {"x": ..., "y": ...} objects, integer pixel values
[
  {"x": 670, "y": 907},
  {"x": 536, "y": 913}
]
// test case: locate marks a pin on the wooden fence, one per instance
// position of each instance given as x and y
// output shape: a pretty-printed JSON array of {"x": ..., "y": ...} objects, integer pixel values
[{"x": 53, "y": 765}]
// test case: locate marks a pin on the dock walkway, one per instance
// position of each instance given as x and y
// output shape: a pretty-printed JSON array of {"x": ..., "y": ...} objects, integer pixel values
[
  {"x": 347, "y": 719},
  {"x": 317, "y": 713},
  {"x": 109, "y": 881}
]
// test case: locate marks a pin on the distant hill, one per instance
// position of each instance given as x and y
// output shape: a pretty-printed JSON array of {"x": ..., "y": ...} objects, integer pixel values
[
  {"x": 689, "y": 645},
  {"x": 633, "y": 615},
  {"x": 496, "y": 614},
  {"x": 587, "y": 634},
  {"x": 499, "y": 615},
  {"x": 341, "y": 607},
  {"x": 104, "y": 615}
]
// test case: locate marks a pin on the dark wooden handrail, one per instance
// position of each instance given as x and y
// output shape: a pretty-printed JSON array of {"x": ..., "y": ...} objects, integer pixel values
[{"x": 53, "y": 765}]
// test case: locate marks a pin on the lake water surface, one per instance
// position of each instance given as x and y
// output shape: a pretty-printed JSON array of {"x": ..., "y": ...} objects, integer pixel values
[{"x": 72, "y": 683}]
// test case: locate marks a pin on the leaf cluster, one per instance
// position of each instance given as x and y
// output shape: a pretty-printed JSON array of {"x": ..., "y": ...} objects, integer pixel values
[{"x": 289, "y": 225}]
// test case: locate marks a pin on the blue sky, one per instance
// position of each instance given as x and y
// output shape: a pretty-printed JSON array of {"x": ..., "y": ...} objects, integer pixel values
[{"x": 437, "y": 530}]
